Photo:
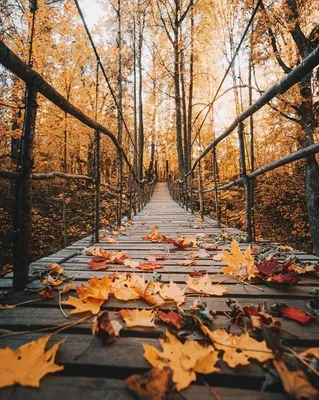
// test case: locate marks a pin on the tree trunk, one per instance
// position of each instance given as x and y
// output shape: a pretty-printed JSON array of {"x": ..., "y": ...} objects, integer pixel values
[
  {"x": 178, "y": 113},
  {"x": 119, "y": 114},
  {"x": 140, "y": 101},
  {"x": 190, "y": 96}
]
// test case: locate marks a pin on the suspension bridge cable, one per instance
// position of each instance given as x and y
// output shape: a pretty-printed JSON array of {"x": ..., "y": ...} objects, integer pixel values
[
  {"x": 104, "y": 73},
  {"x": 229, "y": 66}
]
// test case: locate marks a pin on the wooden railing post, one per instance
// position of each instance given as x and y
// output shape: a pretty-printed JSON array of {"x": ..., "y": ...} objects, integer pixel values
[
  {"x": 21, "y": 268},
  {"x": 130, "y": 193},
  {"x": 191, "y": 193},
  {"x": 200, "y": 193},
  {"x": 246, "y": 181},
  {"x": 186, "y": 194},
  {"x": 97, "y": 195},
  {"x": 214, "y": 160}
]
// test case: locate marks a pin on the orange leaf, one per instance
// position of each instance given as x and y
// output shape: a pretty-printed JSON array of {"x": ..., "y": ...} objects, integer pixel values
[
  {"x": 149, "y": 266},
  {"x": 143, "y": 318},
  {"x": 82, "y": 306},
  {"x": 66, "y": 288},
  {"x": 29, "y": 363},
  {"x": 46, "y": 294}
]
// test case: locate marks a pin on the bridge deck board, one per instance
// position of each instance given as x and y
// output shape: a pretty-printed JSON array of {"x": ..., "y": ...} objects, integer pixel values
[{"x": 92, "y": 371}]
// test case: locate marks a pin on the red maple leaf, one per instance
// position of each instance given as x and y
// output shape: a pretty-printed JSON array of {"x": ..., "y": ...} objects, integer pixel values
[
  {"x": 297, "y": 315},
  {"x": 269, "y": 268},
  {"x": 289, "y": 278},
  {"x": 97, "y": 263},
  {"x": 171, "y": 318}
]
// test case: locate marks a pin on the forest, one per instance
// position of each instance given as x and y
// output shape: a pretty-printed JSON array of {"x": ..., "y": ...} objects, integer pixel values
[{"x": 168, "y": 76}]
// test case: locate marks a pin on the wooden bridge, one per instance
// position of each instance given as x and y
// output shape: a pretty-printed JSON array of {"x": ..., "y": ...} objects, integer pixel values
[{"x": 92, "y": 370}]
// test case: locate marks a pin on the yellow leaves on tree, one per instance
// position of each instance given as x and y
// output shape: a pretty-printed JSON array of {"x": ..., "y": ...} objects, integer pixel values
[
  {"x": 183, "y": 359},
  {"x": 238, "y": 349},
  {"x": 204, "y": 285},
  {"x": 133, "y": 318},
  {"x": 240, "y": 265},
  {"x": 28, "y": 364}
]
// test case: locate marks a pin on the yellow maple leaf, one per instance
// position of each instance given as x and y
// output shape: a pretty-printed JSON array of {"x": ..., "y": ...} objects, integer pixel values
[
  {"x": 138, "y": 318},
  {"x": 183, "y": 359},
  {"x": 296, "y": 383},
  {"x": 173, "y": 293},
  {"x": 128, "y": 286},
  {"x": 81, "y": 306},
  {"x": 66, "y": 288},
  {"x": 239, "y": 265},
  {"x": 204, "y": 285},
  {"x": 152, "y": 295},
  {"x": 97, "y": 289},
  {"x": 238, "y": 349},
  {"x": 29, "y": 363}
]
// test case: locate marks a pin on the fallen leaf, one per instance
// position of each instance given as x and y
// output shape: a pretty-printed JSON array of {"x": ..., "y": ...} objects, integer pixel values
[
  {"x": 67, "y": 288},
  {"x": 128, "y": 286},
  {"x": 171, "y": 318},
  {"x": 155, "y": 257},
  {"x": 98, "y": 289},
  {"x": 97, "y": 263},
  {"x": 109, "y": 240},
  {"x": 152, "y": 295},
  {"x": 130, "y": 222},
  {"x": 183, "y": 359},
  {"x": 197, "y": 273},
  {"x": 289, "y": 278},
  {"x": 187, "y": 263},
  {"x": 199, "y": 220},
  {"x": 238, "y": 349},
  {"x": 260, "y": 318},
  {"x": 143, "y": 318},
  {"x": 172, "y": 292},
  {"x": 143, "y": 222},
  {"x": 55, "y": 268},
  {"x": 46, "y": 293},
  {"x": 155, "y": 384},
  {"x": 295, "y": 383},
  {"x": 218, "y": 257},
  {"x": 155, "y": 237},
  {"x": 204, "y": 286},
  {"x": 149, "y": 266},
  {"x": 131, "y": 263},
  {"x": 183, "y": 242},
  {"x": 208, "y": 246},
  {"x": 81, "y": 306},
  {"x": 50, "y": 281},
  {"x": 239, "y": 265},
  {"x": 117, "y": 327},
  {"x": 29, "y": 363},
  {"x": 302, "y": 270},
  {"x": 202, "y": 253},
  {"x": 103, "y": 328},
  {"x": 293, "y": 313}
]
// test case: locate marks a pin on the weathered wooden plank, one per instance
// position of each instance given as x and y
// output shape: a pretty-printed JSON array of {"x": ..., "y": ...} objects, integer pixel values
[
  {"x": 83, "y": 388},
  {"x": 36, "y": 317}
]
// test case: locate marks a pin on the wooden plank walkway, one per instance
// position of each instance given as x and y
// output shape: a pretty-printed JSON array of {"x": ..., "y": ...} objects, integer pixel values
[{"x": 92, "y": 371}]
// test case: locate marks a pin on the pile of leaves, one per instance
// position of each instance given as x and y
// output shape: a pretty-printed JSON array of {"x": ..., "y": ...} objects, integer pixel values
[{"x": 264, "y": 266}]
